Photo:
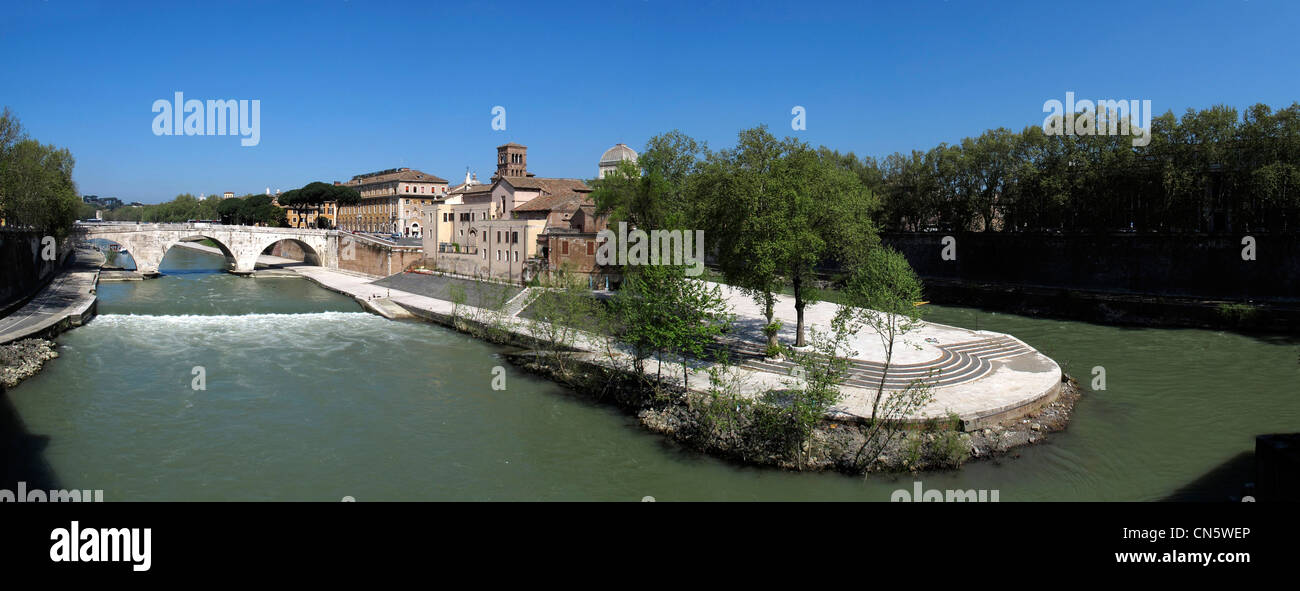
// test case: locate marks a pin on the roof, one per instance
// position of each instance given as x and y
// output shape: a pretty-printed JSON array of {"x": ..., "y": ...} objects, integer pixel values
[
  {"x": 553, "y": 202},
  {"x": 618, "y": 153},
  {"x": 400, "y": 174},
  {"x": 554, "y": 186}
]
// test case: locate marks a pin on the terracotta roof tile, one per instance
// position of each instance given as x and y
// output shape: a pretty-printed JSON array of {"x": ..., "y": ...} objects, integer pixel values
[{"x": 409, "y": 174}]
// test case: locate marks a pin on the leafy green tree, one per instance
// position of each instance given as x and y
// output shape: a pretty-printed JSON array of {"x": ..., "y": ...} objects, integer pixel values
[
  {"x": 36, "y": 187},
  {"x": 662, "y": 311},
  {"x": 229, "y": 211},
  {"x": 258, "y": 209},
  {"x": 882, "y": 294},
  {"x": 312, "y": 196},
  {"x": 779, "y": 210},
  {"x": 656, "y": 191}
]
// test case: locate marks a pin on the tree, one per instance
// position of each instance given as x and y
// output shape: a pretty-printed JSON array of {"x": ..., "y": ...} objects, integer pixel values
[
  {"x": 778, "y": 210},
  {"x": 741, "y": 192},
  {"x": 560, "y": 313},
  {"x": 228, "y": 210},
  {"x": 313, "y": 195},
  {"x": 656, "y": 191},
  {"x": 36, "y": 187},
  {"x": 882, "y": 294},
  {"x": 661, "y": 311},
  {"x": 258, "y": 209}
]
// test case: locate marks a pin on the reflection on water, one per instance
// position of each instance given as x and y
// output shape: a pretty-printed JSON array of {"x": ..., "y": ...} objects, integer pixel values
[{"x": 309, "y": 398}]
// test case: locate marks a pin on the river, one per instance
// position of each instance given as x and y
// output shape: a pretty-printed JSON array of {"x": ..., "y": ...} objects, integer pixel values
[{"x": 308, "y": 398}]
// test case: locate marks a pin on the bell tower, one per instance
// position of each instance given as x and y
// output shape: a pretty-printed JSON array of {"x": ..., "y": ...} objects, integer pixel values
[{"x": 512, "y": 160}]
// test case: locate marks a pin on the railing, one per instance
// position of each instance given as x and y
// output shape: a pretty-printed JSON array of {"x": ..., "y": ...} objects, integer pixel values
[{"x": 453, "y": 248}]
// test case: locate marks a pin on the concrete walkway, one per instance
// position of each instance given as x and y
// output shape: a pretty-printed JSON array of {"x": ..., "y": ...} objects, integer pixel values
[{"x": 69, "y": 300}]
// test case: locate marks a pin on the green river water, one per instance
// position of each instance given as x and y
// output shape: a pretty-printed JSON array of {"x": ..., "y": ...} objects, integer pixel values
[{"x": 309, "y": 398}]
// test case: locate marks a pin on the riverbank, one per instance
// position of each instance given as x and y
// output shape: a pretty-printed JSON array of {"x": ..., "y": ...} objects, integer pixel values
[
  {"x": 67, "y": 302},
  {"x": 743, "y": 433},
  {"x": 23, "y": 359}
]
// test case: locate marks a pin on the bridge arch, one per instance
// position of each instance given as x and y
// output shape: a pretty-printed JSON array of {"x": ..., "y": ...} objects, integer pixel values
[
  {"x": 231, "y": 258},
  {"x": 105, "y": 245},
  {"x": 310, "y": 255}
]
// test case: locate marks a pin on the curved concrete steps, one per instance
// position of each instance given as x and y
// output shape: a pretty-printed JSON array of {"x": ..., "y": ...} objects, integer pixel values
[{"x": 958, "y": 363}]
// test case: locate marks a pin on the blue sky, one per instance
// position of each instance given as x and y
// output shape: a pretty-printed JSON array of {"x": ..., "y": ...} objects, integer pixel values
[{"x": 352, "y": 87}]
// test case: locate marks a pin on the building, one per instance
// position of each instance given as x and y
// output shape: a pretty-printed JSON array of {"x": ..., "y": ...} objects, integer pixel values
[
  {"x": 610, "y": 159},
  {"x": 228, "y": 195},
  {"x": 308, "y": 218},
  {"x": 391, "y": 201},
  {"x": 514, "y": 227}
]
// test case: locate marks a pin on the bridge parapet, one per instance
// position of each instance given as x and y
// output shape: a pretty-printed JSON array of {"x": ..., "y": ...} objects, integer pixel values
[{"x": 102, "y": 227}]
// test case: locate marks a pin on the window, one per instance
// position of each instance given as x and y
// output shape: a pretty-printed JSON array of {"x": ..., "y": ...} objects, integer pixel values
[
  {"x": 498, "y": 254},
  {"x": 564, "y": 247},
  {"x": 498, "y": 235},
  {"x": 591, "y": 248},
  {"x": 516, "y": 256},
  {"x": 514, "y": 237}
]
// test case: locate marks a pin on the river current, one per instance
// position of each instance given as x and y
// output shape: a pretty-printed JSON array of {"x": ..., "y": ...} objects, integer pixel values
[{"x": 307, "y": 397}]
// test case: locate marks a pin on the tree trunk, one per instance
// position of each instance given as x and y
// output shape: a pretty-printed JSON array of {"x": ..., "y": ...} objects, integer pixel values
[
  {"x": 769, "y": 304},
  {"x": 797, "y": 283}
]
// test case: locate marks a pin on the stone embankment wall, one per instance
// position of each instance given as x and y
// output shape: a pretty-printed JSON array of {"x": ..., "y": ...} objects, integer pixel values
[
  {"x": 374, "y": 258},
  {"x": 1129, "y": 278},
  {"x": 22, "y": 270}
]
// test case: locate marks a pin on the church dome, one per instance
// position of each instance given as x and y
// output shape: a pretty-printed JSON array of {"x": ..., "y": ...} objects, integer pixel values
[{"x": 618, "y": 153}]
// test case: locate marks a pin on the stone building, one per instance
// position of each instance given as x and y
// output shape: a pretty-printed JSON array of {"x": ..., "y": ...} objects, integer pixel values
[
  {"x": 515, "y": 226},
  {"x": 391, "y": 201},
  {"x": 308, "y": 218}
]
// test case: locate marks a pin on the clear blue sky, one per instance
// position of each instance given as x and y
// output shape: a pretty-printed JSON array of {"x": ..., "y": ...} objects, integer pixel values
[{"x": 352, "y": 87}]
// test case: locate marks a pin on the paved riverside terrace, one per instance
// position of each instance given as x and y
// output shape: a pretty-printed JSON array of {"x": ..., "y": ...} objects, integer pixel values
[
  {"x": 984, "y": 377},
  {"x": 67, "y": 301}
]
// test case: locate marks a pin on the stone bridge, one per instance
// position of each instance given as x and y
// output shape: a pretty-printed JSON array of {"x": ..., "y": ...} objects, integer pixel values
[{"x": 148, "y": 243}]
